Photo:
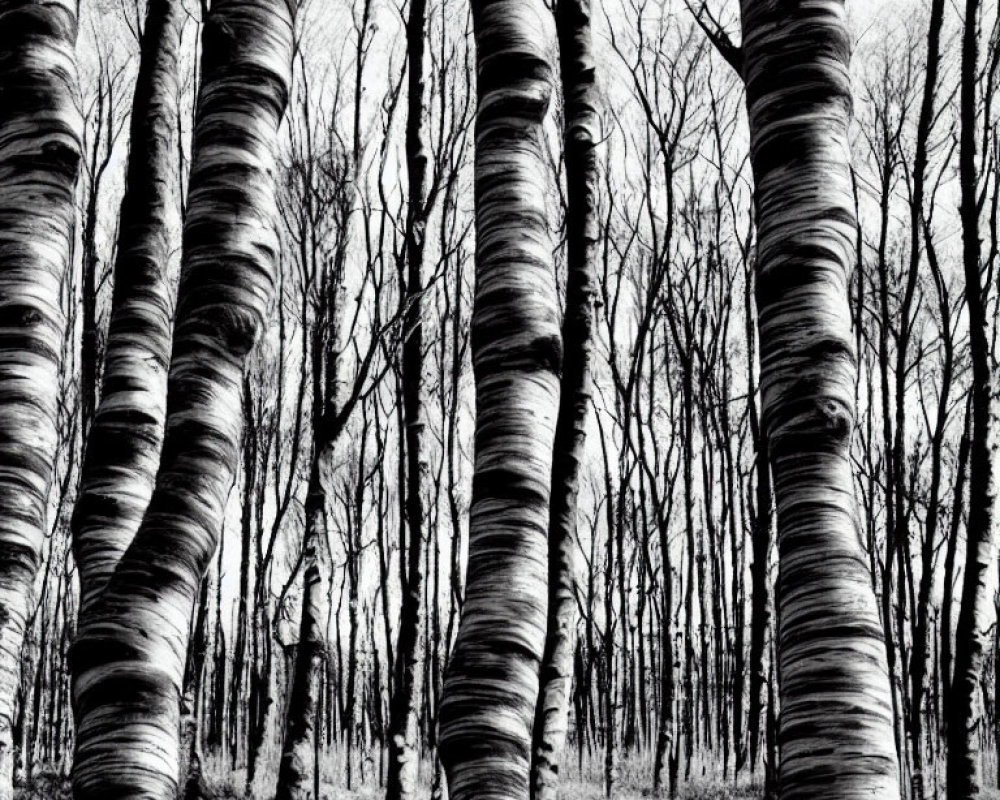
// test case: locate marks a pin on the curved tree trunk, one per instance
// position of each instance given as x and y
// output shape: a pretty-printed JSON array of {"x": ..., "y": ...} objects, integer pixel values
[
  {"x": 39, "y": 162},
  {"x": 831, "y": 656},
  {"x": 491, "y": 687},
  {"x": 404, "y": 755},
  {"x": 123, "y": 451},
  {"x": 963, "y": 719},
  {"x": 129, "y": 655},
  {"x": 580, "y": 142}
]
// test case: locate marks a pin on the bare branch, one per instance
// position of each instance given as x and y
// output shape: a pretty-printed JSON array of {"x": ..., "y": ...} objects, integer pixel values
[{"x": 733, "y": 54}]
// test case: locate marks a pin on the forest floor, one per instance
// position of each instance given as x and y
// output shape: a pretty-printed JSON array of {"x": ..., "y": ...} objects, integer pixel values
[{"x": 633, "y": 782}]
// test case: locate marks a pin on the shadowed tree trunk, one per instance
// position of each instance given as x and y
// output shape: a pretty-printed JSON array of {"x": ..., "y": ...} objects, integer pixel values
[
  {"x": 129, "y": 655},
  {"x": 951, "y": 555},
  {"x": 490, "y": 690},
  {"x": 831, "y": 656},
  {"x": 919, "y": 651},
  {"x": 761, "y": 520},
  {"x": 580, "y": 138},
  {"x": 192, "y": 774},
  {"x": 963, "y": 719},
  {"x": 40, "y": 141},
  {"x": 404, "y": 754},
  {"x": 760, "y": 613}
]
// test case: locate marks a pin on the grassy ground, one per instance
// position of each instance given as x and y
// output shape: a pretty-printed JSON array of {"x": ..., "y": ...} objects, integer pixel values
[
  {"x": 702, "y": 789},
  {"x": 633, "y": 782}
]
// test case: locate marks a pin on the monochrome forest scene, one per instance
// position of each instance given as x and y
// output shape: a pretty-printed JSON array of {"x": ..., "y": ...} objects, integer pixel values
[{"x": 499, "y": 399}]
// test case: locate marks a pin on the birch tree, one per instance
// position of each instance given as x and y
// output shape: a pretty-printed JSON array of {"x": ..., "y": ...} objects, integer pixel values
[
  {"x": 963, "y": 764},
  {"x": 831, "y": 655},
  {"x": 580, "y": 136},
  {"x": 129, "y": 656},
  {"x": 487, "y": 709},
  {"x": 40, "y": 151}
]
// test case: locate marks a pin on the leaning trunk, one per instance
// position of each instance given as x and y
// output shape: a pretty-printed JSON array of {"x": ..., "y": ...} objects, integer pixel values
[
  {"x": 123, "y": 450},
  {"x": 128, "y": 658},
  {"x": 580, "y": 142},
  {"x": 491, "y": 687},
  {"x": 963, "y": 722},
  {"x": 831, "y": 656},
  {"x": 39, "y": 161}
]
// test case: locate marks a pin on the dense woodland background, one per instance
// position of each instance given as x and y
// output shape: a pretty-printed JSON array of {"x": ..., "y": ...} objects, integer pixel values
[{"x": 675, "y": 556}]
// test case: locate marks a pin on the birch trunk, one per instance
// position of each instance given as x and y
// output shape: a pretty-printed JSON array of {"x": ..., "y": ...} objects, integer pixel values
[
  {"x": 129, "y": 655},
  {"x": 963, "y": 779},
  {"x": 491, "y": 687},
  {"x": 40, "y": 141},
  {"x": 297, "y": 767},
  {"x": 123, "y": 450},
  {"x": 580, "y": 136},
  {"x": 835, "y": 724}
]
